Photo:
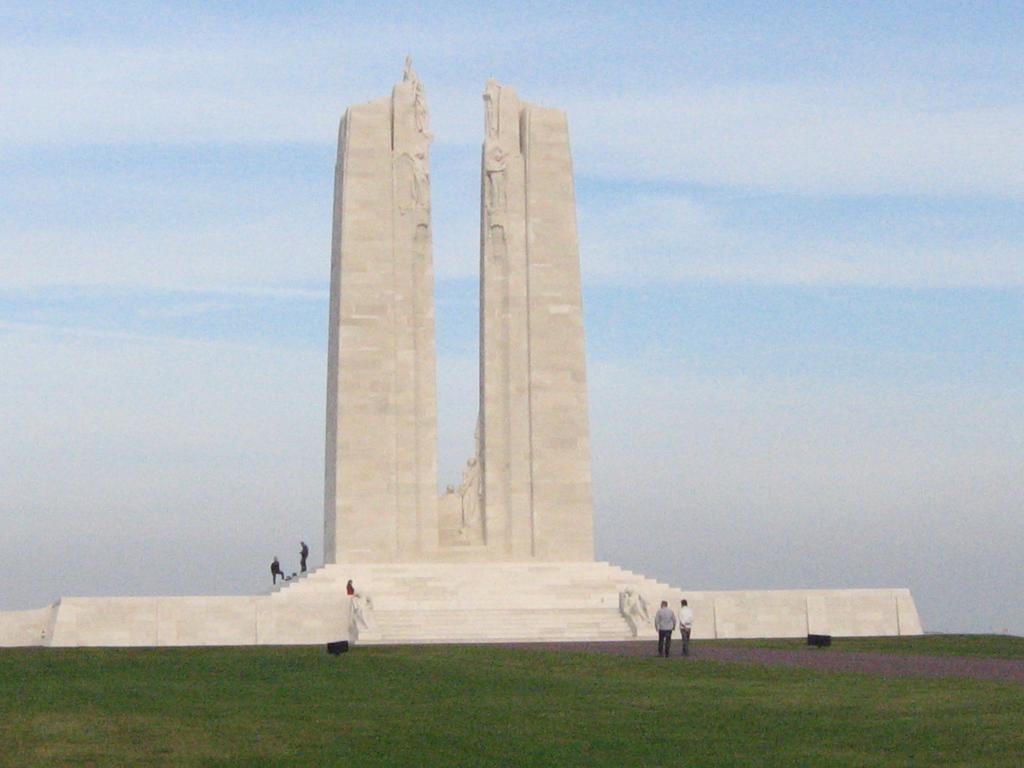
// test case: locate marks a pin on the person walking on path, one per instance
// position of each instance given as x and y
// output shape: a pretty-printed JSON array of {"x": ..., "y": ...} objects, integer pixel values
[
  {"x": 303, "y": 554},
  {"x": 275, "y": 571},
  {"x": 685, "y": 625},
  {"x": 665, "y": 623}
]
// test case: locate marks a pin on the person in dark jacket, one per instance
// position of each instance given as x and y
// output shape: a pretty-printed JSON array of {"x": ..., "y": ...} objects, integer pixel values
[
  {"x": 275, "y": 571},
  {"x": 303, "y": 554}
]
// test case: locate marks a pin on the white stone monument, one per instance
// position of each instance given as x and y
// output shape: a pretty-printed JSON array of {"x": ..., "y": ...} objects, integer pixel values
[
  {"x": 526, "y": 493},
  {"x": 381, "y": 458},
  {"x": 509, "y": 553},
  {"x": 535, "y": 440}
]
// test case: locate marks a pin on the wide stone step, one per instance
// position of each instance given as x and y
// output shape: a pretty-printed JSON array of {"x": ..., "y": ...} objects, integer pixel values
[
  {"x": 495, "y": 633},
  {"x": 480, "y": 637},
  {"x": 489, "y": 640},
  {"x": 478, "y": 602},
  {"x": 391, "y": 601},
  {"x": 499, "y": 624}
]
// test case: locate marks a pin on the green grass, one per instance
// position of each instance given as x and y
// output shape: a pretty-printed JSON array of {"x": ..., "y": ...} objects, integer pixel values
[
  {"x": 480, "y": 706},
  {"x": 979, "y": 646}
]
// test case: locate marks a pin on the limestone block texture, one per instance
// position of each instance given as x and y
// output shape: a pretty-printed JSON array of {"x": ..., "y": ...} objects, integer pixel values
[
  {"x": 534, "y": 443},
  {"x": 196, "y": 620},
  {"x": 381, "y": 450},
  {"x": 526, "y": 494},
  {"x": 433, "y": 602},
  {"x": 24, "y": 628},
  {"x": 472, "y": 602}
]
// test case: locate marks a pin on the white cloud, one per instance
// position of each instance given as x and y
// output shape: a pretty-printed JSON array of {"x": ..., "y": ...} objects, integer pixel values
[
  {"x": 272, "y": 87},
  {"x": 669, "y": 237},
  {"x": 264, "y": 254},
  {"x": 652, "y": 237},
  {"x": 843, "y": 138},
  {"x": 838, "y": 138}
]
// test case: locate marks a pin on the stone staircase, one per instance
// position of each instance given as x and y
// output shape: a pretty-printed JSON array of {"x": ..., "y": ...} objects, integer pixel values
[
  {"x": 477, "y": 602},
  {"x": 463, "y": 602},
  {"x": 569, "y": 601}
]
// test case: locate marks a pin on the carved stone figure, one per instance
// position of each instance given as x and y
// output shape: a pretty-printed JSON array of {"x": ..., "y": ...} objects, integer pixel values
[
  {"x": 361, "y": 611},
  {"x": 633, "y": 606},
  {"x": 492, "y": 94},
  {"x": 419, "y": 103},
  {"x": 470, "y": 490},
  {"x": 420, "y": 111},
  {"x": 412, "y": 181},
  {"x": 495, "y": 165},
  {"x": 420, "y": 181}
]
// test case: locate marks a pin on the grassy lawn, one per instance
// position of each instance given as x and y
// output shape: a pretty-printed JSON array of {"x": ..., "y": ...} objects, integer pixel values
[
  {"x": 479, "y": 706},
  {"x": 981, "y": 646}
]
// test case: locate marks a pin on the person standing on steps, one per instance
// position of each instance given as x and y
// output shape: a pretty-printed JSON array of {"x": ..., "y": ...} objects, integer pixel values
[
  {"x": 685, "y": 625},
  {"x": 665, "y": 623},
  {"x": 275, "y": 571},
  {"x": 303, "y": 554}
]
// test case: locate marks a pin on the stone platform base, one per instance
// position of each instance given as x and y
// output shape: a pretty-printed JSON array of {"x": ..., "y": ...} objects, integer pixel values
[
  {"x": 457, "y": 603},
  {"x": 179, "y": 621}
]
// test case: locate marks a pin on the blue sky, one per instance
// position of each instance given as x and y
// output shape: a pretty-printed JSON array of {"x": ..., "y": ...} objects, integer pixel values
[{"x": 802, "y": 233}]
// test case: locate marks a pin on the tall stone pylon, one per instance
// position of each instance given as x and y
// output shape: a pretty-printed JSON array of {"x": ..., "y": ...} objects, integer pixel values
[
  {"x": 534, "y": 431},
  {"x": 381, "y": 456},
  {"x": 526, "y": 494}
]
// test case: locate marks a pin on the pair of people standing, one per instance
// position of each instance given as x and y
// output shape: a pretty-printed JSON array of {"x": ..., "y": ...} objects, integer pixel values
[
  {"x": 665, "y": 622},
  {"x": 275, "y": 566}
]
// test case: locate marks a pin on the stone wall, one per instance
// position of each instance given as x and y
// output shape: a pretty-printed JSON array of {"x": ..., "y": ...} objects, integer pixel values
[
  {"x": 199, "y": 620},
  {"x": 32, "y": 627},
  {"x": 468, "y": 602}
]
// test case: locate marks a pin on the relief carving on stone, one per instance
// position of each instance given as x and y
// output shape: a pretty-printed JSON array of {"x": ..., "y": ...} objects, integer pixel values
[
  {"x": 422, "y": 116},
  {"x": 470, "y": 498},
  {"x": 360, "y": 614},
  {"x": 413, "y": 181},
  {"x": 492, "y": 96},
  {"x": 495, "y": 166},
  {"x": 470, "y": 491},
  {"x": 412, "y": 163},
  {"x": 634, "y": 609},
  {"x": 420, "y": 180},
  {"x": 495, "y": 157}
]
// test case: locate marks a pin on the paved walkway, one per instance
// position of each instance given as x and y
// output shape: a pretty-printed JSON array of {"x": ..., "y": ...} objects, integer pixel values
[{"x": 884, "y": 664}]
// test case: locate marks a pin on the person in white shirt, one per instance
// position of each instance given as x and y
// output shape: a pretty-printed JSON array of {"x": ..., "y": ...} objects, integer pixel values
[
  {"x": 685, "y": 625},
  {"x": 665, "y": 623}
]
